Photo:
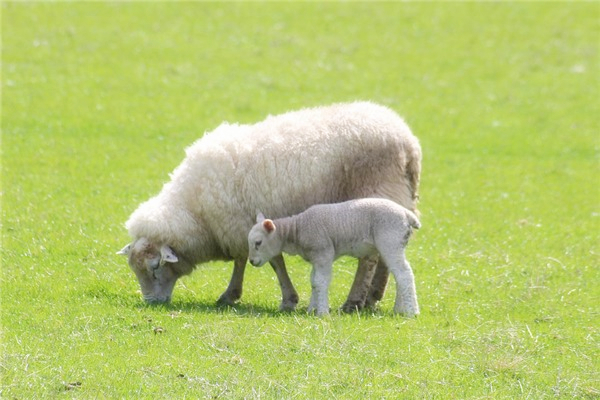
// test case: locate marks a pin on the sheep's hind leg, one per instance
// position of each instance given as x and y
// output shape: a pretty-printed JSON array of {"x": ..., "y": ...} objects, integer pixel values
[
  {"x": 289, "y": 296},
  {"x": 361, "y": 285},
  {"x": 378, "y": 284},
  {"x": 234, "y": 291}
]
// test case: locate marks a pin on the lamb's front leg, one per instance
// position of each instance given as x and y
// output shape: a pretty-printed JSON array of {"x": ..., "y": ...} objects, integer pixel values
[{"x": 320, "y": 278}]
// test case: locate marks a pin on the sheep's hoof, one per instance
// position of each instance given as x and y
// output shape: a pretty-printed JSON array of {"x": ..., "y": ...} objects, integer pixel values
[
  {"x": 229, "y": 298},
  {"x": 352, "y": 306},
  {"x": 225, "y": 301},
  {"x": 371, "y": 302},
  {"x": 287, "y": 306}
]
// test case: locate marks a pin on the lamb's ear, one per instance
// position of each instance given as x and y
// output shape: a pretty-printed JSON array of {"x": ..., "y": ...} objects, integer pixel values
[
  {"x": 268, "y": 225},
  {"x": 167, "y": 255},
  {"x": 125, "y": 250},
  {"x": 259, "y": 217}
]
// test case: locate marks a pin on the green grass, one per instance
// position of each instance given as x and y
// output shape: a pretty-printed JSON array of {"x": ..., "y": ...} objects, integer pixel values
[{"x": 100, "y": 99}]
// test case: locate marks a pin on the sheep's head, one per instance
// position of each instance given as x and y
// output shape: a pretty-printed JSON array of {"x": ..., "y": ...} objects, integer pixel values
[
  {"x": 263, "y": 242},
  {"x": 157, "y": 268}
]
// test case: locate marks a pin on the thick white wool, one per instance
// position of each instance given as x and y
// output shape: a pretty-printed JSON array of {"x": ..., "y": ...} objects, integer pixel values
[{"x": 280, "y": 166}]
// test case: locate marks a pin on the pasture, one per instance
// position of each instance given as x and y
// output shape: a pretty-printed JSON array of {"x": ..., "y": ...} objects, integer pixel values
[{"x": 99, "y": 101}]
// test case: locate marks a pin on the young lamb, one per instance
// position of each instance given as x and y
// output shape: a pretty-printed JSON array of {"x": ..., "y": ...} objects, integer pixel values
[
  {"x": 282, "y": 166},
  {"x": 324, "y": 232}
]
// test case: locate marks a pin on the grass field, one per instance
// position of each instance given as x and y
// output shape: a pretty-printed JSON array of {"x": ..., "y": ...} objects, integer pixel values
[{"x": 100, "y": 99}]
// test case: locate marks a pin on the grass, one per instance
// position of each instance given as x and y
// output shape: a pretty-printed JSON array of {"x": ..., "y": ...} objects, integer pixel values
[{"x": 99, "y": 100}]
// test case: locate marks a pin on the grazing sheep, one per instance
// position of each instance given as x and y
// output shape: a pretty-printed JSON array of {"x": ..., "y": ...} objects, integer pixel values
[
  {"x": 324, "y": 232},
  {"x": 282, "y": 166}
]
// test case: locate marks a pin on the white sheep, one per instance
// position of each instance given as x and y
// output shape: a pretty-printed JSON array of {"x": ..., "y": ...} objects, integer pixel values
[
  {"x": 325, "y": 232},
  {"x": 282, "y": 166}
]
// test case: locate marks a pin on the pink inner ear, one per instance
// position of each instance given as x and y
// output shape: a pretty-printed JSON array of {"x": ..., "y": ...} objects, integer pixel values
[{"x": 268, "y": 225}]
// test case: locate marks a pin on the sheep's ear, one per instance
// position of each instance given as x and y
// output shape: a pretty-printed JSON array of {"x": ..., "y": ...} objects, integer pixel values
[
  {"x": 268, "y": 225},
  {"x": 125, "y": 250},
  {"x": 259, "y": 217},
  {"x": 167, "y": 255}
]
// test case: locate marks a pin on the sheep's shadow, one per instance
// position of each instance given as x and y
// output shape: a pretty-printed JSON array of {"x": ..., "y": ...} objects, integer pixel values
[
  {"x": 253, "y": 310},
  {"x": 105, "y": 293},
  {"x": 188, "y": 305},
  {"x": 212, "y": 307}
]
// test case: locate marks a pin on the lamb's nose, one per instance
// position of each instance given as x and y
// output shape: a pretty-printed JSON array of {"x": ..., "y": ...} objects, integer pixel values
[{"x": 254, "y": 262}]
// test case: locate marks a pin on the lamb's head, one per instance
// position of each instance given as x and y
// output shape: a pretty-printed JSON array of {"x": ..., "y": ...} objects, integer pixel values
[
  {"x": 263, "y": 242},
  {"x": 157, "y": 268}
]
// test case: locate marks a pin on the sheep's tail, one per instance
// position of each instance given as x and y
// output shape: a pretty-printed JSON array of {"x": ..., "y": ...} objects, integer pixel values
[
  {"x": 413, "y": 173},
  {"x": 413, "y": 221}
]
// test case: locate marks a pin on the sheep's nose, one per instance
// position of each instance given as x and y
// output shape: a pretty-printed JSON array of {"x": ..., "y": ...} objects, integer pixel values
[
  {"x": 157, "y": 300},
  {"x": 254, "y": 262}
]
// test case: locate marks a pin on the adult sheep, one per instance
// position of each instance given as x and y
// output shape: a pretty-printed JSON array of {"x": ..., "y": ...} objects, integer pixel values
[{"x": 280, "y": 166}]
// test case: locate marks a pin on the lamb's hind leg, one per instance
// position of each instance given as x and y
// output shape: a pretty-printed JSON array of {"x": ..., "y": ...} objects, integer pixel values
[
  {"x": 406, "y": 293},
  {"x": 289, "y": 296},
  {"x": 361, "y": 285},
  {"x": 234, "y": 290}
]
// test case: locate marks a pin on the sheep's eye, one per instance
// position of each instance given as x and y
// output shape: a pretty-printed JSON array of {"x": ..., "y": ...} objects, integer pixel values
[{"x": 258, "y": 243}]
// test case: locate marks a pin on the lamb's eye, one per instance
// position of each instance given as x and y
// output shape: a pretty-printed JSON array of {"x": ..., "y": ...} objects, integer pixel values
[{"x": 258, "y": 243}]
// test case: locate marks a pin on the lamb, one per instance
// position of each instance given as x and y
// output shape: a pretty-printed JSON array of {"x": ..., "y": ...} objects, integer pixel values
[
  {"x": 282, "y": 166},
  {"x": 324, "y": 232}
]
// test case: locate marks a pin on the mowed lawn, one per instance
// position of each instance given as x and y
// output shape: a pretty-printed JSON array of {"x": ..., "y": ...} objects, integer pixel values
[{"x": 99, "y": 101}]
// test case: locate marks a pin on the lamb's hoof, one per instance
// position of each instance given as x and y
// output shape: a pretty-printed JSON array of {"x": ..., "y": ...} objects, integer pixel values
[
  {"x": 318, "y": 313},
  {"x": 350, "y": 307},
  {"x": 407, "y": 314}
]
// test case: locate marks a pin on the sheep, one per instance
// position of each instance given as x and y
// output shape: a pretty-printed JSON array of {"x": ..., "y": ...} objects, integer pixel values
[
  {"x": 281, "y": 165},
  {"x": 325, "y": 232}
]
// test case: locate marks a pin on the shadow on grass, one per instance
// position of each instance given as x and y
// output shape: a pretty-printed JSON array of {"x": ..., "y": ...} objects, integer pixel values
[
  {"x": 116, "y": 297},
  {"x": 254, "y": 310},
  {"x": 211, "y": 307}
]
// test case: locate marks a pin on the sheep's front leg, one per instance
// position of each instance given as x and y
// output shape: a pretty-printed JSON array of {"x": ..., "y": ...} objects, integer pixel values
[
  {"x": 234, "y": 290},
  {"x": 289, "y": 296},
  {"x": 320, "y": 278}
]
